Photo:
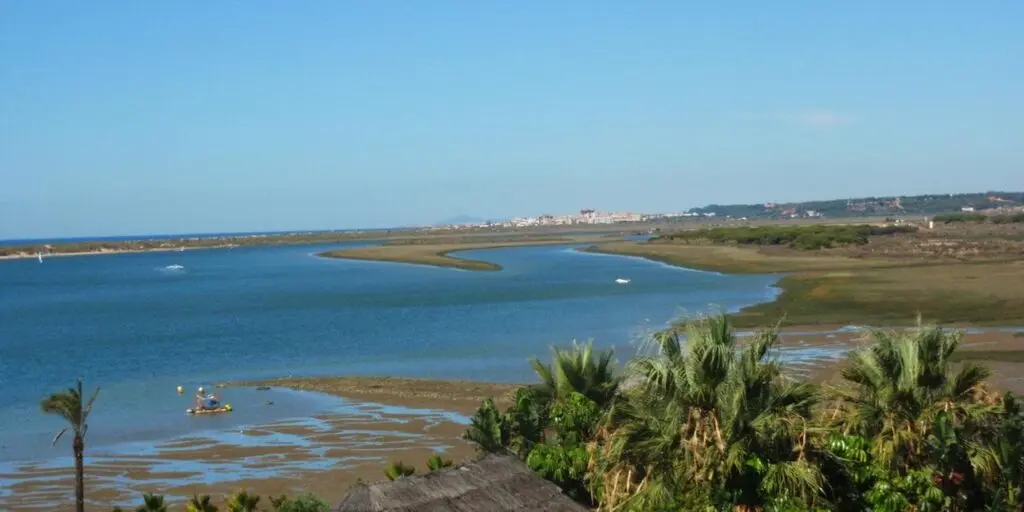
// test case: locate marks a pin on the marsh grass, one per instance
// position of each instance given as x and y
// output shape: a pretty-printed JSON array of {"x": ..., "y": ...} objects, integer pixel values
[{"x": 823, "y": 289}]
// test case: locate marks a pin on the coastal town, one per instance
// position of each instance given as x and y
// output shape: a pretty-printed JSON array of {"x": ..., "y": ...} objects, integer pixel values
[
  {"x": 590, "y": 216},
  {"x": 921, "y": 206}
]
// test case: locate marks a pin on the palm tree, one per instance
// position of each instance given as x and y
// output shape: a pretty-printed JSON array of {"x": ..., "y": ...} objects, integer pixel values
[
  {"x": 277, "y": 503},
  {"x": 435, "y": 463},
  {"x": 576, "y": 369},
  {"x": 70, "y": 406},
  {"x": 200, "y": 504},
  {"x": 486, "y": 428},
  {"x": 242, "y": 501},
  {"x": 152, "y": 503},
  {"x": 895, "y": 387},
  {"x": 397, "y": 470},
  {"x": 1003, "y": 461},
  {"x": 707, "y": 416}
]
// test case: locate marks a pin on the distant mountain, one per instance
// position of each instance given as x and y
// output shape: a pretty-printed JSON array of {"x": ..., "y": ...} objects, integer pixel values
[
  {"x": 461, "y": 219},
  {"x": 870, "y": 206}
]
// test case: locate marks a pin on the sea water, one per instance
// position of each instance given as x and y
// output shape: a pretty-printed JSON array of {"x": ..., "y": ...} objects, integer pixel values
[{"x": 139, "y": 325}]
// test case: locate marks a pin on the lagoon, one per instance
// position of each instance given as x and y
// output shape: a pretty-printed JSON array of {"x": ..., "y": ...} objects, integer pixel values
[{"x": 138, "y": 326}]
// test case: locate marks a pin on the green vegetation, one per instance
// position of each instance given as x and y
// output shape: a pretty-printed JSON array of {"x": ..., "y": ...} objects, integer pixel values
[
  {"x": 705, "y": 420},
  {"x": 1006, "y": 218},
  {"x": 813, "y": 237},
  {"x": 928, "y": 204},
  {"x": 397, "y": 470},
  {"x": 836, "y": 288},
  {"x": 241, "y": 501},
  {"x": 74, "y": 408},
  {"x": 152, "y": 503},
  {"x": 949, "y": 218},
  {"x": 1014, "y": 218},
  {"x": 713, "y": 423},
  {"x": 201, "y": 504},
  {"x": 974, "y": 294},
  {"x": 436, "y": 463}
]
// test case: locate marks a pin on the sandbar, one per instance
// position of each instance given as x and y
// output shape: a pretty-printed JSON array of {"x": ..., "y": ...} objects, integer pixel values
[{"x": 441, "y": 254}]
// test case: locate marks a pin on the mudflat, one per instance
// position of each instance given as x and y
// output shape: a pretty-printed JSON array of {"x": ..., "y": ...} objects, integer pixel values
[
  {"x": 325, "y": 454},
  {"x": 451, "y": 395},
  {"x": 328, "y": 453}
]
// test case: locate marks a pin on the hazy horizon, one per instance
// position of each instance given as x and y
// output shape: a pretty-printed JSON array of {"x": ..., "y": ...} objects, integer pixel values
[{"x": 255, "y": 117}]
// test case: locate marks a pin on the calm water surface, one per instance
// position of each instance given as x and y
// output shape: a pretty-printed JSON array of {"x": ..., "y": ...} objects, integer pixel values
[{"x": 139, "y": 328}]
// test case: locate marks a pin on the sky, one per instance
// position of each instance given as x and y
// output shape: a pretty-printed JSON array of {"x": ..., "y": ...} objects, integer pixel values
[{"x": 127, "y": 117}]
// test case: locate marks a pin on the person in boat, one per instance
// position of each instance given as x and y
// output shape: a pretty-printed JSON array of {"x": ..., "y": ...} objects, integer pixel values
[{"x": 206, "y": 402}]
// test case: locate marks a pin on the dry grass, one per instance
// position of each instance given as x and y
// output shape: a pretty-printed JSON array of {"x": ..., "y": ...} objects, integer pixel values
[
  {"x": 735, "y": 259},
  {"x": 952, "y": 294},
  {"x": 823, "y": 288}
]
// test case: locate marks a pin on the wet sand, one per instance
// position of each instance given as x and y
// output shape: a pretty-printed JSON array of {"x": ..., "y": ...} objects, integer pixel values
[
  {"x": 392, "y": 419},
  {"x": 452, "y": 395}
]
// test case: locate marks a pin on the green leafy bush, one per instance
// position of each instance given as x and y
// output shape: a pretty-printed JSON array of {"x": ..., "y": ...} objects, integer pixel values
[
  {"x": 710, "y": 423},
  {"x": 307, "y": 502}
]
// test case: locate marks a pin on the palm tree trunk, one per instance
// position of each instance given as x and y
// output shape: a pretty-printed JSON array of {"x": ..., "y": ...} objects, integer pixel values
[{"x": 79, "y": 447}]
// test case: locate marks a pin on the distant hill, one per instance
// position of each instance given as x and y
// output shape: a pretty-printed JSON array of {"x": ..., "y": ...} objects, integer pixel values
[{"x": 869, "y": 206}]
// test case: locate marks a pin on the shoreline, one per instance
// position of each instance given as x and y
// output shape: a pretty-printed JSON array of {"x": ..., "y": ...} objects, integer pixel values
[
  {"x": 387, "y": 419},
  {"x": 455, "y": 395},
  {"x": 28, "y": 256},
  {"x": 23, "y": 249},
  {"x": 818, "y": 289},
  {"x": 442, "y": 255},
  {"x": 812, "y": 289},
  {"x": 377, "y": 420}
]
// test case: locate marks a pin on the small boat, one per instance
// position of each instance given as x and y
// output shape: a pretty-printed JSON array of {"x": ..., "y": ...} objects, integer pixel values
[
  {"x": 40, "y": 256},
  {"x": 622, "y": 281},
  {"x": 174, "y": 267},
  {"x": 219, "y": 410}
]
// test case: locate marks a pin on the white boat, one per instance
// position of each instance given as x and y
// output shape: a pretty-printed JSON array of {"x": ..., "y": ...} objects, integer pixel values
[
  {"x": 622, "y": 281},
  {"x": 174, "y": 267},
  {"x": 40, "y": 256}
]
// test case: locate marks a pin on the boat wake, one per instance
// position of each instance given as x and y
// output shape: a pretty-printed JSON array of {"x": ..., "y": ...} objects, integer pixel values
[{"x": 173, "y": 268}]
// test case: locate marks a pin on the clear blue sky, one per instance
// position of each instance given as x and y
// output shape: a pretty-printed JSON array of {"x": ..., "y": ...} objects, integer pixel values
[{"x": 185, "y": 116}]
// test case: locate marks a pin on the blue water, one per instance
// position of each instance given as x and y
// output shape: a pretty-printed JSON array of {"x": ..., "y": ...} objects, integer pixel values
[
  {"x": 179, "y": 236},
  {"x": 139, "y": 329}
]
